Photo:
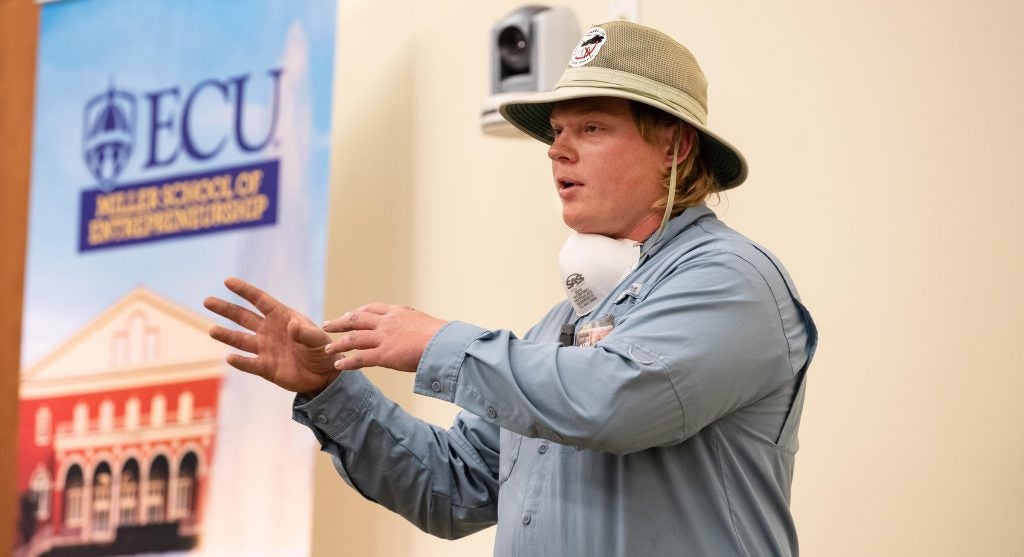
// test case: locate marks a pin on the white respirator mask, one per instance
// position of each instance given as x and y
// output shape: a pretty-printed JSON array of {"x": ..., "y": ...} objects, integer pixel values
[{"x": 592, "y": 266}]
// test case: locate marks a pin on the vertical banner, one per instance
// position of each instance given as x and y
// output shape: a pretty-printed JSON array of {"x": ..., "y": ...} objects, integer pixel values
[{"x": 176, "y": 142}]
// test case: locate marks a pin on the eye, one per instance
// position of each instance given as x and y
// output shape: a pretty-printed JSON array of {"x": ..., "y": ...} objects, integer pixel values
[
  {"x": 554, "y": 132},
  {"x": 591, "y": 128}
]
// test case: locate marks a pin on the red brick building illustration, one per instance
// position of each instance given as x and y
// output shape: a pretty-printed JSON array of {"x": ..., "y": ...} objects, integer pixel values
[{"x": 116, "y": 435}]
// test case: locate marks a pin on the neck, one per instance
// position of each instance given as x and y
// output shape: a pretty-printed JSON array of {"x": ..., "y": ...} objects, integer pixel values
[{"x": 643, "y": 229}]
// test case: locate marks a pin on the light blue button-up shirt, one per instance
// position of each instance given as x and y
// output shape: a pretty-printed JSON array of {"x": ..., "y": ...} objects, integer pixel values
[{"x": 672, "y": 435}]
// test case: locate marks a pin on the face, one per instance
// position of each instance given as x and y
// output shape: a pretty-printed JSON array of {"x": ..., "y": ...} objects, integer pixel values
[{"x": 607, "y": 176}]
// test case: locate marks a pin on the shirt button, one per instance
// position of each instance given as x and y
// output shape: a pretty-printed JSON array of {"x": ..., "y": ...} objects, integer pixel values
[
  {"x": 436, "y": 386},
  {"x": 526, "y": 519},
  {"x": 322, "y": 419},
  {"x": 542, "y": 449},
  {"x": 491, "y": 412}
]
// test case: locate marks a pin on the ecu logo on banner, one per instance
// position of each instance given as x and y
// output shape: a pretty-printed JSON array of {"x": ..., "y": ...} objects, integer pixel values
[
  {"x": 178, "y": 125},
  {"x": 108, "y": 135}
]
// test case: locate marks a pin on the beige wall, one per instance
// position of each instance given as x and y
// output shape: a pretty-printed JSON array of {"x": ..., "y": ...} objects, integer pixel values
[{"x": 881, "y": 138}]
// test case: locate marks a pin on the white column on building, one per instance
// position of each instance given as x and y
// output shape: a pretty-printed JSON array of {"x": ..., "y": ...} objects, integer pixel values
[
  {"x": 87, "y": 478},
  {"x": 115, "y": 495},
  {"x": 172, "y": 487},
  {"x": 142, "y": 515}
]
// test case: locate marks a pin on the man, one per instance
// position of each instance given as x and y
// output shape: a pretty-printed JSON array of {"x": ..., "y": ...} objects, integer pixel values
[{"x": 653, "y": 413}]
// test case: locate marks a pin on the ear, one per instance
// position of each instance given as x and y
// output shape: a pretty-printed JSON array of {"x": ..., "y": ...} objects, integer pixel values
[{"x": 687, "y": 136}]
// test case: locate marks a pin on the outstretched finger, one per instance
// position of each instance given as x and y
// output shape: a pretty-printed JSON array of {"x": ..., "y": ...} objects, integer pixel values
[
  {"x": 307, "y": 334},
  {"x": 245, "y": 363},
  {"x": 356, "y": 360},
  {"x": 353, "y": 321},
  {"x": 375, "y": 307},
  {"x": 235, "y": 339},
  {"x": 354, "y": 340},
  {"x": 263, "y": 301},
  {"x": 244, "y": 317}
]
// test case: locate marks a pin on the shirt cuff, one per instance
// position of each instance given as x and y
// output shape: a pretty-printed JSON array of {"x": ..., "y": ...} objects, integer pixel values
[
  {"x": 339, "y": 405},
  {"x": 438, "y": 372}
]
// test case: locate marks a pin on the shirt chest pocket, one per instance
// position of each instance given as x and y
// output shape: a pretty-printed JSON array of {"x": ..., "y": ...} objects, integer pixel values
[{"x": 509, "y": 447}]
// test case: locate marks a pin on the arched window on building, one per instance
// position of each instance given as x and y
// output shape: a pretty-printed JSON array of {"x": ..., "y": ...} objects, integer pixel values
[
  {"x": 119, "y": 352},
  {"x": 44, "y": 424},
  {"x": 137, "y": 343},
  {"x": 185, "y": 401},
  {"x": 185, "y": 502},
  {"x": 158, "y": 410},
  {"x": 74, "y": 486},
  {"x": 156, "y": 490},
  {"x": 152, "y": 343},
  {"x": 102, "y": 484},
  {"x": 41, "y": 488},
  {"x": 128, "y": 499},
  {"x": 131, "y": 413},
  {"x": 136, "y": 340},
  {"x": 106, "y": 415},
  {"x": 81, "y": 417}
]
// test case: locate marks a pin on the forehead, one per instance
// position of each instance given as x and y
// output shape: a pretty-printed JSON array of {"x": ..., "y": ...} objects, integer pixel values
[{"x": 610, "y": 106}]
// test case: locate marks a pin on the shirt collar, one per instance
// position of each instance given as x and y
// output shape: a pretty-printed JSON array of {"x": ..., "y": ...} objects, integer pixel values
[{"x": 676, "y": 225}]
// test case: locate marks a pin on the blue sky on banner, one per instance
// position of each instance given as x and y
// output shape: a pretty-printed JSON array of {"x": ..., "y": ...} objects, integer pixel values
[{"x": 146, "y": 46}]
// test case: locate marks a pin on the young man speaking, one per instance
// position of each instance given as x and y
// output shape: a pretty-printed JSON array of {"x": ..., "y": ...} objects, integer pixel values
[{"x": 653, "y": 412}]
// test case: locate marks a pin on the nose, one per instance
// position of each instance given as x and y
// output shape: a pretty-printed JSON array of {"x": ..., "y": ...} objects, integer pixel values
[{"x": 561, "y": 149}]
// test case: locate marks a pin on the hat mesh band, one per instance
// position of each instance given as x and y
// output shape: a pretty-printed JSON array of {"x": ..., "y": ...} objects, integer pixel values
[{"x": 660, "y": 95}]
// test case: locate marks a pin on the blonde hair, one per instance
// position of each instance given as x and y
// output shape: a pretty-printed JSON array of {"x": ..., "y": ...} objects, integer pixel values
[{"x": 694, "y": 180}]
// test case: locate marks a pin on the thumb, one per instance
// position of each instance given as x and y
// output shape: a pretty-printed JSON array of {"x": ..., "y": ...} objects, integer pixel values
[{"x": 306, "y": 334}]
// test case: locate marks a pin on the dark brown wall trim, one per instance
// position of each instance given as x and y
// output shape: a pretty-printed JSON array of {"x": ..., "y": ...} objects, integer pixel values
[{"x": 19, "y": 26}]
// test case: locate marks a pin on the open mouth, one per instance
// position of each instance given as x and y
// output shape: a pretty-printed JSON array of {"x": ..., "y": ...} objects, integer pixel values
[{"x": 566, "y": 184}]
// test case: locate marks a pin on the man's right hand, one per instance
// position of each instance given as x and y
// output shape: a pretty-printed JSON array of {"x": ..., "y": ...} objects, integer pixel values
[{"x": 287, "y": 347}]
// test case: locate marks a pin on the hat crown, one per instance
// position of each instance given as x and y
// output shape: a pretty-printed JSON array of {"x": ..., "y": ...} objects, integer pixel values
[{"x": 635, "y": 49}]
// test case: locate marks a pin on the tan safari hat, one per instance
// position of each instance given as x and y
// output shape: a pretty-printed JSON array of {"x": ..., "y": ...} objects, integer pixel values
[{"x": 629, "y": 61}]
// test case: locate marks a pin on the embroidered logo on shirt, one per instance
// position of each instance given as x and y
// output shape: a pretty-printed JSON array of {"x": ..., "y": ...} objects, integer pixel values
[{"x": 634, "y": 288}]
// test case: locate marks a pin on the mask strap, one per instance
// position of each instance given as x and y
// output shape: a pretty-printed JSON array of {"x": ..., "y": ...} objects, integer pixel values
[{"x": 671, "y": 191}]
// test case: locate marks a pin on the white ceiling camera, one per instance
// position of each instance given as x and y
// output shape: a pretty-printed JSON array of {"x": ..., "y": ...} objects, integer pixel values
[{"x": 529, "y": 50}]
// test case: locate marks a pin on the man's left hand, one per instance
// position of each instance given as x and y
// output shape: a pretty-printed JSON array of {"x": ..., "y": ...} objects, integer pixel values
[{"x": 382, "y": 335}]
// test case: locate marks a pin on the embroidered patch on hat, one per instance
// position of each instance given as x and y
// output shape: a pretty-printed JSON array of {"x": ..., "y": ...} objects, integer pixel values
[{"x": 588, "y": 48}]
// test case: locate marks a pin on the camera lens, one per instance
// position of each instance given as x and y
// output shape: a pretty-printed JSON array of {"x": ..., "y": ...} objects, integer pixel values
[{"x": 514, "y": 49}]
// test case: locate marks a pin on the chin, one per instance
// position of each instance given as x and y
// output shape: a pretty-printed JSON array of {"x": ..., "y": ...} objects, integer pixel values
[
  {"x": 576, "y": 224},
  {"x": 584, "y": 228},
  {"x": 586, "y": 224}
]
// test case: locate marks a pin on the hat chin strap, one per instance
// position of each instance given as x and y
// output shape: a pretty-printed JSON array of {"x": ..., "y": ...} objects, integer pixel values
[{"x": 671, "y": 193}]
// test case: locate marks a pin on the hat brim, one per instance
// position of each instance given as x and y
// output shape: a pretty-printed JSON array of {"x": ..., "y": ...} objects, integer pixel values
[{"x": 532, "y": 115}]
